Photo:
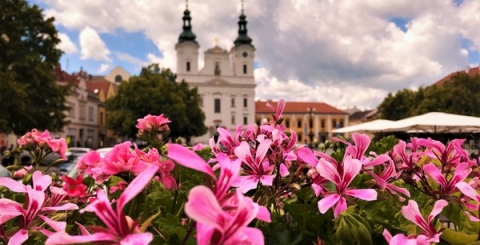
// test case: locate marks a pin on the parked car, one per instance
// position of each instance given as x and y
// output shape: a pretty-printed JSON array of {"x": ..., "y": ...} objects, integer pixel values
[
  {"x": 26, "y": 158},
  {"x": 4, "y": 172},
  {"x": 74, "y": 154}
]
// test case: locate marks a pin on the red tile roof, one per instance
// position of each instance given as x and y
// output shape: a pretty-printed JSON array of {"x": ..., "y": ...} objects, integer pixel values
[
  {"x": 298, "y": 107},
  {"x": 98, "y": 83},
  {"x": 472, "y": 71}
]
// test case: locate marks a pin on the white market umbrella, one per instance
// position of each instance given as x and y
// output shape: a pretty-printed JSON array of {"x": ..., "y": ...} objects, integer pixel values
[
  {"x": 435, "y": 122},
  {"x": 371, "y": 126}
]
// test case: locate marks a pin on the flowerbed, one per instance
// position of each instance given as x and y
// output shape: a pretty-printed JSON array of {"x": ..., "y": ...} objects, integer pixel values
[{"x": 254, "y": 187}]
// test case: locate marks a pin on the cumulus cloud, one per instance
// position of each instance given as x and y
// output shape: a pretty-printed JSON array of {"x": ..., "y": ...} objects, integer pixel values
[
  {"x": 103, "y": 68},
  {"x": 342, "y": 52},
  {"x": 66, "y": 44},
  {"x": 92, "y": 46}
]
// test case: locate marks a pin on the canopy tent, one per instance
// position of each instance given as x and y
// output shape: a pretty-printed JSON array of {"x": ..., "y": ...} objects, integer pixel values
[
  {"x": 434, "y": 122},
  {"x": 371, "y": 126}
]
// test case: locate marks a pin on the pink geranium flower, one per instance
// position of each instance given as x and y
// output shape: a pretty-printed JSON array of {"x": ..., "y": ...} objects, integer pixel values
[
  {"x": 151, "y": 122},
  {"x": 341, "y": 179},
  {"x": 412, "y": 213},
  {"x": 120, "y": 229},
  {"x": 216, "y": 226},
  {"x": 74, "y": 187},
  {"x": 120, "y": 159},
  {"x": 36, "y": 204},
  {"x": 258, "y": 168},
  {"x": 448, "y": 186},
  {"x": 383, "y": 178}
]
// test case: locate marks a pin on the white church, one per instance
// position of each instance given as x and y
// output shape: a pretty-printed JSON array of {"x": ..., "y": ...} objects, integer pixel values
[{"x": 226, "y": 82}]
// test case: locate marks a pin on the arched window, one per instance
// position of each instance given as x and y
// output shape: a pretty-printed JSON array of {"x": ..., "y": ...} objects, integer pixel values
[
  {"x": 188, "y": 65},
  {"x": 233, "y": 102},
  {"x": 118, "y": 79},
  {"x": 244, "y": 69},
  {"x": 245, "y": 103}
]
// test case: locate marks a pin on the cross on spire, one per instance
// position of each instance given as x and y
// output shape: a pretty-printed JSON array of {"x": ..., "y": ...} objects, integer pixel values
[
  {"x": 242, "y": 6},
  {"x": 186, "y": 5}
]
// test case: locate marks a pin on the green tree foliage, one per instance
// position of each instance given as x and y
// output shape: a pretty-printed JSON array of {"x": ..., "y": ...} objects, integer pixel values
[
  {"x": 29, "y": 95},
  {"x": 458, "y": 96},
  {"x": 155, "y": 92}
]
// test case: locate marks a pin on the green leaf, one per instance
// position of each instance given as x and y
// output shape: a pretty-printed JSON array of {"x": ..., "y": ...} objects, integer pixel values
[{"x": 457, "y": 238}]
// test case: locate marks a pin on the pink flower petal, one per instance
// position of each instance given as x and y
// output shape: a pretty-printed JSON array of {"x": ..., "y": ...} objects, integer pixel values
[
  {"x": 203, "y": 207},
  {"x": 246, "y": 183},
  {"x": 56, "y": 225},
  {"x": 284, "y": 170},
  {"x": 327, "y": 202},
  {"x": 468, "y": 190},
  {"x": 263, "y": 214},
  {"x": 328, "y": 171},
  {"x": 267, "y": 180},
  {"x": 67, "y": 206},
  {"x": 362, "y": 141},
  {"x": 62, "y": 237},
  {"x": 40, "y": 181},
  {"x": 351, "y": 168},
  {"x": 364, "y": 194},
  {"x": 437, "y": 208},
  {"x": 412, "y": 213},
  {"x": 12, "y": 184},
  {"x": 340, "y": 207},
  {"x": 137, "y": 239},
  {"x": 136, "y": 186},
  {"x": 189, "y": 159},
  {"x": 436, "y": 174},
  {"x": 18, "y": 238}
]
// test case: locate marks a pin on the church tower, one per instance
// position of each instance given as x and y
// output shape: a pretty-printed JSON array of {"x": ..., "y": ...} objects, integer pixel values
[
  {"x": 243, "y": 52},
  {"x": 187, "y": 47}
]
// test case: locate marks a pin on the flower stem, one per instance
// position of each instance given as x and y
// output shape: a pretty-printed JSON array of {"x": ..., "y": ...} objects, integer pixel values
[{"x": 189, "y": 232}]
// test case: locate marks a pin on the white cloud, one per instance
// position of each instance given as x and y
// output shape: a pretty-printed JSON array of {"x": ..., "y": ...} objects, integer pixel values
[
  {"x": 103, "y": 68},
  {"x": 128, "y": 58},
  {"x": 343, "y": 52},
  {"x": 66, "y": 45},
  {"x": 92, "y": 46}
]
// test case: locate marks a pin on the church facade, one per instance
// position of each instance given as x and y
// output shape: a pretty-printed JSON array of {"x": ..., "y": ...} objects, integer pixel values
[{"x": 226, "y": 82}]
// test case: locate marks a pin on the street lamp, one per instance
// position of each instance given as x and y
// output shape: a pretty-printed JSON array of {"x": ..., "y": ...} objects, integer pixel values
[{"x": 311, "y": 134}]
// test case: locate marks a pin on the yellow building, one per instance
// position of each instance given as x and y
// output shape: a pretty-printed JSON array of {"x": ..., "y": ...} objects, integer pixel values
[{"x": 312, "y": 121}]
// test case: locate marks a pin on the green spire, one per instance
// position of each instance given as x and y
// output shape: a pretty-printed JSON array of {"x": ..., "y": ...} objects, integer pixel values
[
  {"x": 187, "y": 34},
  {"x": 243, "y": 38}
]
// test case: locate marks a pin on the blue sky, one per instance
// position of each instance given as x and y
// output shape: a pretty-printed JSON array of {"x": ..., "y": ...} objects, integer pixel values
[{"x": 341, "y": 52}]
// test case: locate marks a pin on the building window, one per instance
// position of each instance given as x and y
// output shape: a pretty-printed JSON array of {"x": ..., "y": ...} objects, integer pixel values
[
  {"x": 245, "y": 120},
  {"x": 310, "y": 122},
  {"x": 244, "y": 69},
  {"x": 217, "y": 69},
  {"x": 82, "y": 112},
  {"x": 200, "y": 101},
  {"x": 299, "y": 123},
  {"x": 334, "y": 123},
  {"x": 188, "y": 65},
  {"x": 233, "y": 102},
  {"x": 118, "y": 79},
  {"x": 245, "y": 103},
  {"x": 341, "y": 123},
  {"x": 258, "y": 121},
  {"x": 287, "y": 123},
  {"x": 101, "y": 118},
  {"x": 233, "y": 119},
  {"x": 72, "y": 110},
  {"x": 299, "y": 136},
  {"x": 90, "y": 113},
  {"x": 322, "y": 123},
  {"x": 217, "y": 105}
]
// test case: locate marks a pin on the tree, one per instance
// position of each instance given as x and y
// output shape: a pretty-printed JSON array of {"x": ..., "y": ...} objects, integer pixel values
[
  {"x": 29, "y": 95},
  {"x": 155, "y": 92},
  {"x": 460, "y": 96}
]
